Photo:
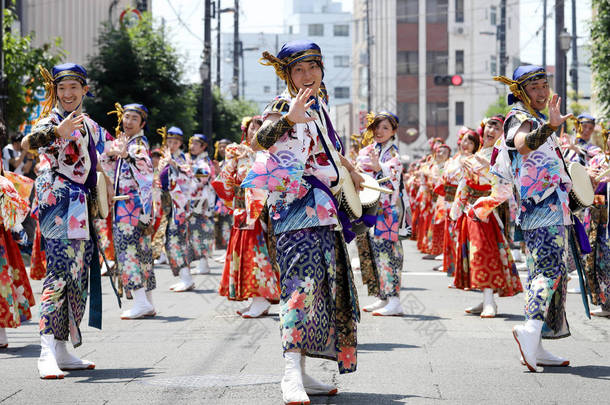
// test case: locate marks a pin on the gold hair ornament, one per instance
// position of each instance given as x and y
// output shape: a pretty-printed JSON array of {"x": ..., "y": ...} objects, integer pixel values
[
  {"x": 163, "y": 132},
  {"x": 118, "y": 110},
  {"x": 50, "y": 95},
  {"x": 515, "y": 87}
]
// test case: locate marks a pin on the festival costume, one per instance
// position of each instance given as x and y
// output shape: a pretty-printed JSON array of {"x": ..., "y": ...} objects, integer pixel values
[
  {"x": 318, "y": 302},
  {"x": 248, "y": 271},
  {"x": 223, "y": 218},
  {"x": 447, "y": 188},
  {"x": 16, "y": 297},
  {"x": 544, "y": 216},
  {"x": 424, "y": 199},
  {"x": 436, "y": 229}
]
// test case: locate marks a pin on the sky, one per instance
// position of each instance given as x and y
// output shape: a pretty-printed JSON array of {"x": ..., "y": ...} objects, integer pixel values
[{"x": 184, "y": 19}]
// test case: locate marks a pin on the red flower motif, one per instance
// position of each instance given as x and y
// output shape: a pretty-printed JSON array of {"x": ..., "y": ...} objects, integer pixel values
[
  {"x": 347, "y": 356},
  {"x": 297, "y": 301}
]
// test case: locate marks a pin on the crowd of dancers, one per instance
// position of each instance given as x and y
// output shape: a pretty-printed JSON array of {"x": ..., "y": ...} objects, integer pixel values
[{"x": 276, "y": 203}]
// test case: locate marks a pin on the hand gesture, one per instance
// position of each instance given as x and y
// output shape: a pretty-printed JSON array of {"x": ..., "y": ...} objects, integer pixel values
[
  {"x": 374, "y": 155},
  {"x": 70, "y": 124},
  {"x": 555, "y": 117},
  {"x": 298, "y": 109},
  {"x": 357, "y": 179},
  {"x": 120, "y": 145}
]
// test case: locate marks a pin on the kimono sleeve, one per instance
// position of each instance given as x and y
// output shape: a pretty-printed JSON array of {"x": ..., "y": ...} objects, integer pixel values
[{"x": 13, "y": 207}]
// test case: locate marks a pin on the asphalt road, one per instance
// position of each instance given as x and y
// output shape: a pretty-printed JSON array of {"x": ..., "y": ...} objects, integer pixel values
[{"x": 197, "y": 351}]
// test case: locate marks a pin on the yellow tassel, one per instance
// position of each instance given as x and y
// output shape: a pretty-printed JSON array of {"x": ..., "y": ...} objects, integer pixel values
[
  {"x": 216, "y": 150},
  {"x": 269, "y": 60},
  {"x": 118, "y": 110},
  {"x": 49, "y": 87},
  {"x": 163, "y": 132},
  {"x": 517, "y": 91}
]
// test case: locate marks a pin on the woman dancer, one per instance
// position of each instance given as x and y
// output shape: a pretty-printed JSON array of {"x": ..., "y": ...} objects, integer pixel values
[
  {"x": 128, "y": 163},
  {"x": 248, "y": 271},
  {"x": 381, "y": 159}
]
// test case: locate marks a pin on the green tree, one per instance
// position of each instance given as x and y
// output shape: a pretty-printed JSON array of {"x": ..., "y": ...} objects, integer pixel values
[
  {"x": 600, "y": 52},
  {"x": 500, "y": 106},
  {"x": 137, "y": 64},
  {"x": 21, "y": 60},
  {"x": 226, "y": 114}
]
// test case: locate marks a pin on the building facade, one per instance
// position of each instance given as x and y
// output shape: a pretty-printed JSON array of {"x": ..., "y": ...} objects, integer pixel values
[{"x": 411, "y": 42}]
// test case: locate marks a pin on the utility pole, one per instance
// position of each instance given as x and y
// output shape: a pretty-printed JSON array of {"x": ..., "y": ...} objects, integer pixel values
[
  {"x": 277, "y": 50},
  {"x": 3, "y": 95},
  {"x": 218, "y": 13},
  {"x": 368, "y": 58},
  {"x": 502, "y": 37},
  {"x": 544, "y": 34},
  {"x": 574, "y": 70},
  {"x": 206, "y": 72},
  {"x": 560, "y": 56},
  {"x": 236, "y": 51}
]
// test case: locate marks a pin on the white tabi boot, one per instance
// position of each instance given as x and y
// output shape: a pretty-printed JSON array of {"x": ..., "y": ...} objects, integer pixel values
[
  {"x": 242, "y": 311},
  {"x": 375, "y": 305},
  {"x": 202, "y": 267},
  {"x": 476, "y": 309},
  {"x": 141, "y": 306},
  {"x": 394, "y": 308},
  {"x": 490, "y": 309},
  {"x": 545, "y": 358},
  {"x": 260, "y": 306},
  {"x": 150, "y": 301},
  {"x": 186, "y": 281},
  {"x": 162, "y": 259},
  {"x": 313, "y": 386},
  {"x": 67, "y": 361},
  {"x": 293, "y": 392},
  {"x": 528, "y": 339},
  {"x": 3, "y": 339},
  {"x": 47, "y": 362},
  {"x": 600, "y": 312}
]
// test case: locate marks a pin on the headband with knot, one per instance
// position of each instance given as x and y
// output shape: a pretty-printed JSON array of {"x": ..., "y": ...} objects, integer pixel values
[{"x": 516, "y": 85}]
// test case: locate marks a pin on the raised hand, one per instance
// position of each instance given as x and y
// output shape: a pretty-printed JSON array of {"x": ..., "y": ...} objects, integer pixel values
[
  {"x": 298, "y": 109},
  {"x": 70, "y": 124},
  {"x": 555, "y": 117}
]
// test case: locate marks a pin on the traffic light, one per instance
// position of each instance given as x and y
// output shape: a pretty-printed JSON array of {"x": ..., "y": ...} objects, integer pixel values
[{"x": 448, "y": 80}]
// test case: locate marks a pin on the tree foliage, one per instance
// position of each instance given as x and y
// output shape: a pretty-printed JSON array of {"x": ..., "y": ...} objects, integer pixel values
[
  {"x": 600, "y": 53},
  {"x": 21, "y": 60},
  {"x": 226, "y": 114},
  {"x": 138, "y": 64},
  {"x": 500, "y": 106}
]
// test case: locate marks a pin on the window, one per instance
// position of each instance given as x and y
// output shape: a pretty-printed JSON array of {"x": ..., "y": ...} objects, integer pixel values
[
  {"x": 407, "y": 63},
  {"x": 493, "y": 65},
  {"x": 315, "y": 30},
  {"x": 436, "y": 11},
  {"x": 341, "y": 30},
  {"x": 436, "y": 62},
  {"x": 459, "y": 113},
  {"x": 341, "y": 92},
  {"x": 492, "y": 15},
  {"x": 267, "y": 89},
  {"x": 290, "y": 29},
  {"x": 408, "y": 114},
  {"x": 437, "y": 114},
  {"x": 363, "y": 89},
  {"x": 459, "y": 61},
  {"x": 459, "y": 10},
  {"x": 341, "y": 61},
  {"x": 407, "y": 11}
]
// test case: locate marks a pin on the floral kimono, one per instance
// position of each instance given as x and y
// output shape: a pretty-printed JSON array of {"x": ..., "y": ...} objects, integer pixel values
[
  {"x": 597, "y": 263},
  {"x": 201, "y": 220},
  {"x": 248, "y": 270},
  {"x": 386, "y": 247},
  {"x": 223, "y": 219},
  {"x": 133, "y": 176},
  {"x": 16, "y": 297},
  {"x": 176, "y": 185},
  {"x": 484, "y": 256},
  {"x": 434, "y": 237},
  {"x": 542, "y": 186},
  {"x": 424, "y": 198},
  {"x": 318, "y": 302},
  {"x": 65, "y": 194}
]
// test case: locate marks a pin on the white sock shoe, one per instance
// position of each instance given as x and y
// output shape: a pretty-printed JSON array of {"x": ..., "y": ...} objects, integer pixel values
[
  {"x": 528, "y": 337},
  {"x": 68, "y": 361},
  {"x": 3, "y": 338},
  {"x": 490, "y": 309},
  {"x": 476, "y": 309},
  {"x": 150, "y": 301},
  {"x": 260, "y": 306},
  {"x": 547, "y": 359},
  {"x": 600, "y": 312},
  {"x": 186, "y": 281},
  {"x": 242, "y": 311},
  {"x": 47, "y": 362},
  {"x": 293, "y": 391},
  {"x": 202, "y": 267},
  {"x": 392, "y": 309},
  {"x": 141, "y": 306},
  {"x": 375, "y": 305},
  {"x": 313, "y": 386},
  {"x": 162, "y": 259}
]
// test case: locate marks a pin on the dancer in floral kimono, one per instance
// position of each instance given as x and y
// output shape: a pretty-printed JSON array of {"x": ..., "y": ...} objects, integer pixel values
[
  {"x": 318, "y": 302},
  {"x": 582, "y": 149},
  {"x": 436, "y": 228},
  {"x": 597, "y": 263},
  {"x": 16, "y": 297},
  {"x": 127, "y": 162},
  {"x": 531, "y": 162},
  {"x": 223, "y": 217},
  {"x": 176, "y": 175},
  {"x": 485, "y": 261},
  {"x": 381, "y": 159},
  {"x": 201, "y": 219},
  {"x": 248, "y": 271},
  {"x": 70, "y": 142}
]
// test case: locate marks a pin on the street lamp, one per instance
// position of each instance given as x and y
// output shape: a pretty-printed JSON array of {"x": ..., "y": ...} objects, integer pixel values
[{"x": 565, "y": 40}]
